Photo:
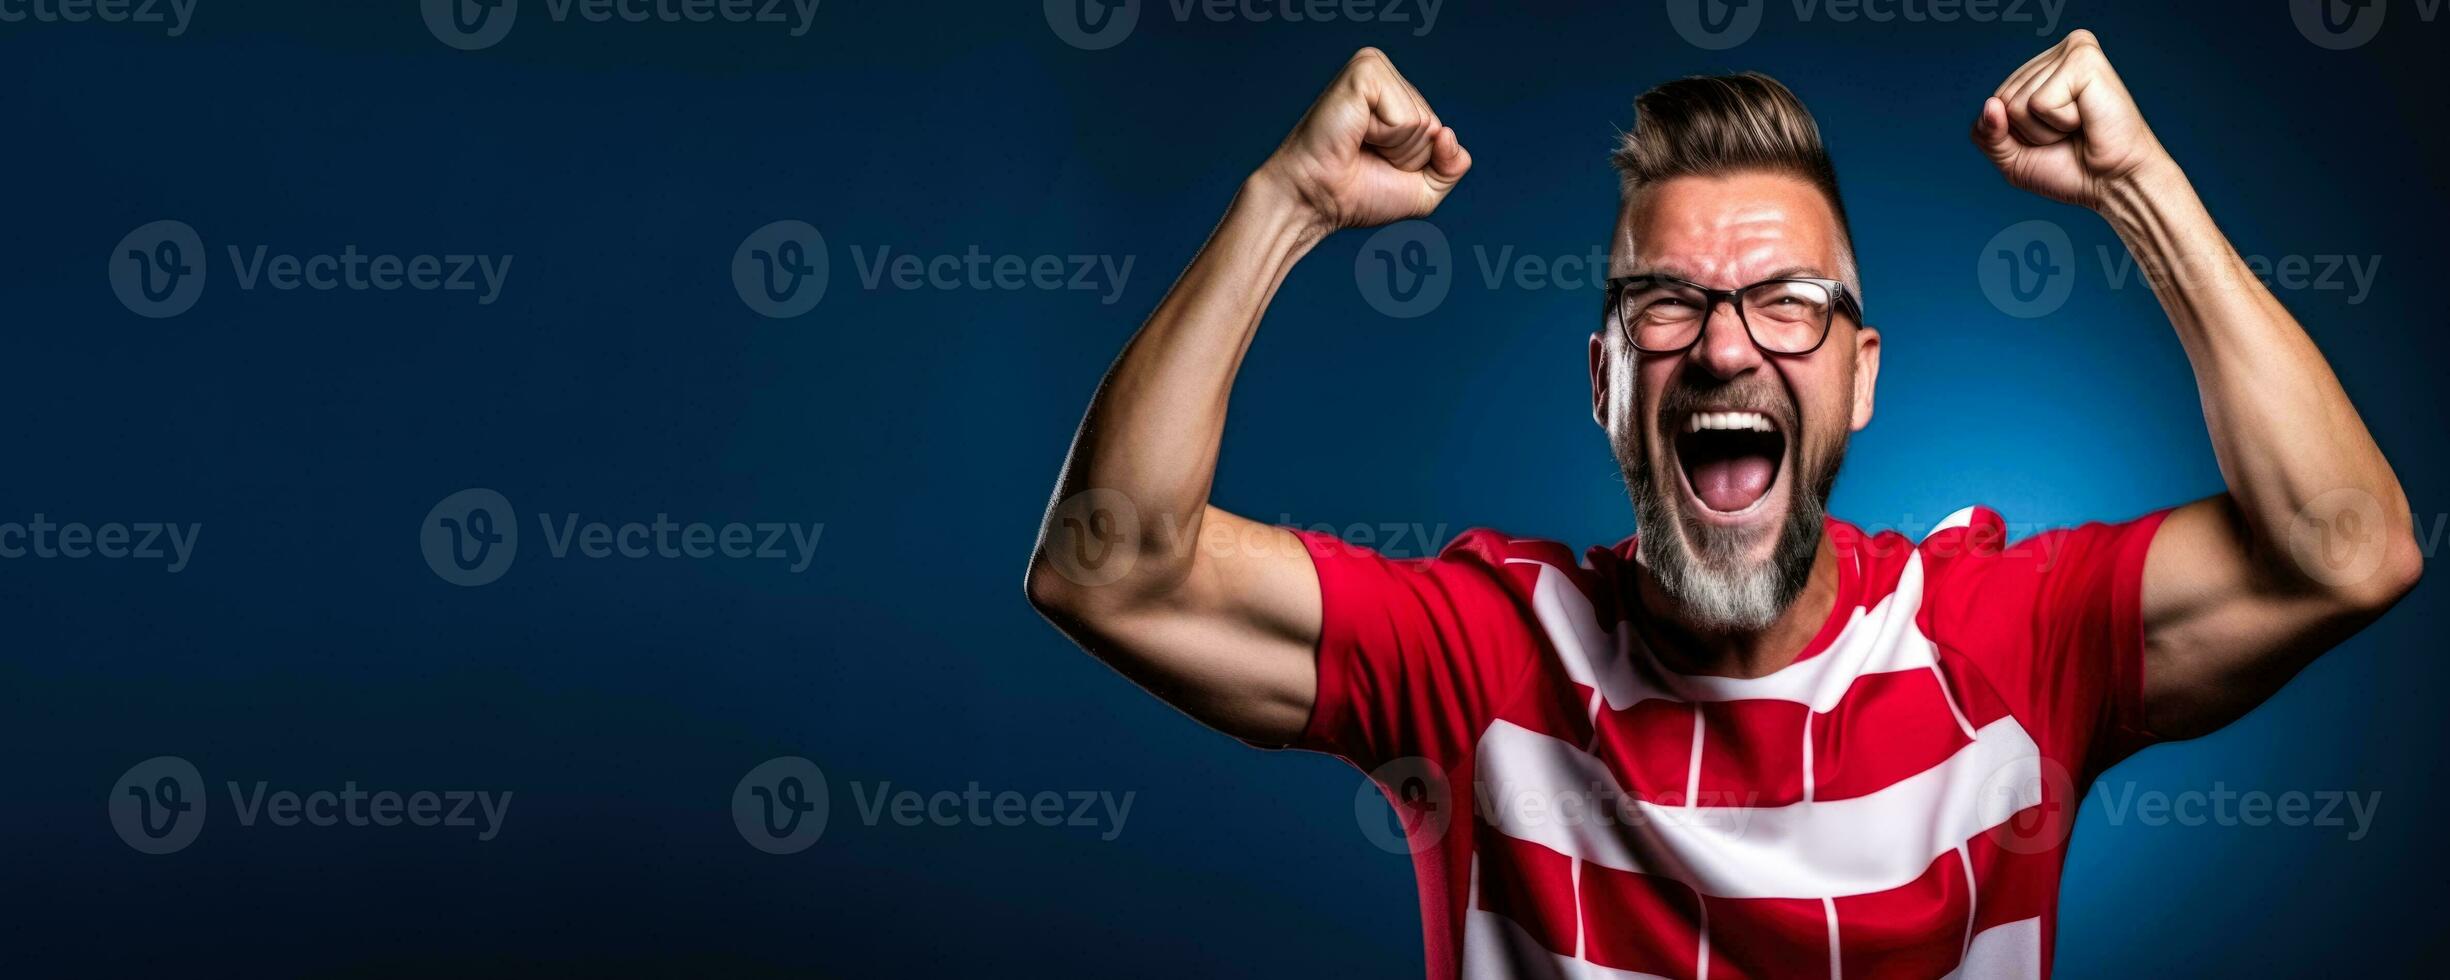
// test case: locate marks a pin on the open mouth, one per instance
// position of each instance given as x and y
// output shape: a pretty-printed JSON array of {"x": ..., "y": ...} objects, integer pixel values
[{"x": 1729, "y": 459}]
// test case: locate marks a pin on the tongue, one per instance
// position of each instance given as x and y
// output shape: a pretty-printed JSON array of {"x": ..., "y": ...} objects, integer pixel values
[{"x": 1733, "y": 483}]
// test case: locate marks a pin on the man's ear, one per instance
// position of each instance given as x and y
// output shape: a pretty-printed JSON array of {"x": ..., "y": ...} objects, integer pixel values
[
  {"x": 1867, "y": 373},
  {"x": 1599, "y": 381}
]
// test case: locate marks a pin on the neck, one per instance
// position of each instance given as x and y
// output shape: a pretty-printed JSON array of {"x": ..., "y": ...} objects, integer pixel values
[{"x": 1752, "y": 653}]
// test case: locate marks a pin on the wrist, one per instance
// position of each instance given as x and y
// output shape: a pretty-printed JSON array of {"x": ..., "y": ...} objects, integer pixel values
[
  {"x": 2127, "y": 201},
  {"x": 1271, "y": 202}
]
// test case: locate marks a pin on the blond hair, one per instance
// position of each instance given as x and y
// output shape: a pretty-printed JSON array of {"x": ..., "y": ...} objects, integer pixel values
[{"x": 1707, "y": 125}]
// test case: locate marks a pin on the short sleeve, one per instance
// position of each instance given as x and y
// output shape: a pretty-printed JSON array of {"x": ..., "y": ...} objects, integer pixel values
[
  {"x": 2055, "y": 622},
  {"x": 1415, "y": 655}
]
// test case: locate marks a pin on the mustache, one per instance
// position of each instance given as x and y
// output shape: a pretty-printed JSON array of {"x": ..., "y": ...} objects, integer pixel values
[{"x": 1757, "y": 395}]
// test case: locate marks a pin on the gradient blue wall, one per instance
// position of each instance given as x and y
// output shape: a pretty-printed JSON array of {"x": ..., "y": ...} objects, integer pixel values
[{"x": 620, "y": 377}]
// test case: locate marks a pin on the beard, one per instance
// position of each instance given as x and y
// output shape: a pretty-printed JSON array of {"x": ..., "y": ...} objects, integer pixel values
[{"x": 1706, "y": 569}]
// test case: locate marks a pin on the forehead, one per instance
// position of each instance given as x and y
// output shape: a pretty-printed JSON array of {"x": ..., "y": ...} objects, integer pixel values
[{"x": 1726, "y": 230}]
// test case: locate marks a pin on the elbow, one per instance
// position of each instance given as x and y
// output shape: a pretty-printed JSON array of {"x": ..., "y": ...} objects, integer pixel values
[
  {"x": 1068, "y": 592},
  {"x": 2372, "y": 586},
  {"x": 2401, "y": 570},
  {"x": 1075, "y": 578},
  {"x": 2351, "y": 551},
  {"x": 1049, "y": 592}
]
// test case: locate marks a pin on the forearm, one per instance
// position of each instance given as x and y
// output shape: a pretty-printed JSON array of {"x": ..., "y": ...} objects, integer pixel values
[
  {"x": 1153, "y": 429},
  {"x": 2283, "y": 430}
]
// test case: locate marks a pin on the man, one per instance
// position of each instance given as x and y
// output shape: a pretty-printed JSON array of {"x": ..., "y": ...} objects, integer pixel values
[{"x": 1753, "y": 740}]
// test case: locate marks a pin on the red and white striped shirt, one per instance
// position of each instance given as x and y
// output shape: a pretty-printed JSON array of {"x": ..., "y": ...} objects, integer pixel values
[{"x": 1894, "y": 803}]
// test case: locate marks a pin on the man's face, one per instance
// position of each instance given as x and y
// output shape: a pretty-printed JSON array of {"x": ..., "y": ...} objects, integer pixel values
[{"x": 1729, "y": 515}]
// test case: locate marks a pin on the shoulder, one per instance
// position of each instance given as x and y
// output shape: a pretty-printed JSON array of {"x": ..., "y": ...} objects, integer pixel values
[
  {"x": 1478, "y": 563},
  {"x": 1975, "y": 562},
  {"x": 1923, "y": 566},
  {"x": 1479, "y": 546}
]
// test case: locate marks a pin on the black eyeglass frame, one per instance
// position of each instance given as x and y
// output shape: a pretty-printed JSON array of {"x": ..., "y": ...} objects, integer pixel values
[{"x": 1841, "y": 300}]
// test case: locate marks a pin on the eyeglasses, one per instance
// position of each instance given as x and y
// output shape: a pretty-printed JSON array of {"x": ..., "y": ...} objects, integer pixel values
[{"x": 1788, "y": 315}]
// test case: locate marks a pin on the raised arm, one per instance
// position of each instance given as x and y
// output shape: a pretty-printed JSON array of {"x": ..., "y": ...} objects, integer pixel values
[
  {"x": 2313, "y": 539},
  {"x": 1215, "y": 614}
]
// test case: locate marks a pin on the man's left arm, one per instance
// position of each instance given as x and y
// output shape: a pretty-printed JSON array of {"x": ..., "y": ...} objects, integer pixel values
[{"x": 2313, "y": 539}]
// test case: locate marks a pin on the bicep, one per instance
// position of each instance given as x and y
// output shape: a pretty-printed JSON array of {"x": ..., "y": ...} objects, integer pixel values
[
  {"x": 2221, "y": 634},
  {"x": 1234, "y": 643}
]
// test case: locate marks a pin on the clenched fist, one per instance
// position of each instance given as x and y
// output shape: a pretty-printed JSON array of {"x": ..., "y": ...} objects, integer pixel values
[
  {"x": 2064, "y": 127},
  {"x": 1369, "y": 152}
]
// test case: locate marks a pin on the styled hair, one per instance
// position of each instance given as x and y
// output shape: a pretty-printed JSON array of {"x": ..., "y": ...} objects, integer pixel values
[{"x": 1707, "y": 125}]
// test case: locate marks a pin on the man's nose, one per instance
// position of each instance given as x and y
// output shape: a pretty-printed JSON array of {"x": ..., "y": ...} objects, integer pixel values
[{"x": 1725, "y": 349}]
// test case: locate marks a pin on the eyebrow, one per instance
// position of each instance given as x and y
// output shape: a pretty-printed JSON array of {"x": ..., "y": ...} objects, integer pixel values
[{"x": 1788, "y": 272}]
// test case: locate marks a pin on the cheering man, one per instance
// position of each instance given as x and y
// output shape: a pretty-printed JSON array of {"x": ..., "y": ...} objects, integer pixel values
[{"x": 1754, "y": 739}]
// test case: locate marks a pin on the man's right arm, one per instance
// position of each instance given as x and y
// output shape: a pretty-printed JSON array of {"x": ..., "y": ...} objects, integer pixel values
[{"x": 1216, "y": 614}]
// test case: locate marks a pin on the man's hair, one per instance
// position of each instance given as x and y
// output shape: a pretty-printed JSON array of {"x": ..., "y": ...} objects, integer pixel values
[{"x": 1707, "y": 125}]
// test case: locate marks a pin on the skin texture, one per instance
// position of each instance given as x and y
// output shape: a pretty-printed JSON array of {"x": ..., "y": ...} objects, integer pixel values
[
  {"x": 1723, "y": 232},
  {"x": 2312, "y": 539},
  {"x": 1220, "y": 616}
]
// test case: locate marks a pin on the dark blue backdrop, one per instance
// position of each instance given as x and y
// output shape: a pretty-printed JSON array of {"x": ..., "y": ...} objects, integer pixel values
[{"x": 619, "y": 376}]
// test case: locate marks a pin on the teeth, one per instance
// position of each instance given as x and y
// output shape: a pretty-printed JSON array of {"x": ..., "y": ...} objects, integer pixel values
[{"x": 1739, "y": 421}]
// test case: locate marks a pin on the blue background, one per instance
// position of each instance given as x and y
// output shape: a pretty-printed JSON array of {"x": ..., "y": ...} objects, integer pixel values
[{"x": 620, "y": 377}]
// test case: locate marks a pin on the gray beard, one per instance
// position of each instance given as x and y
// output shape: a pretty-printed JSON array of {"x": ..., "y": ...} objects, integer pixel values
[{"x": 1713, "y": 587}]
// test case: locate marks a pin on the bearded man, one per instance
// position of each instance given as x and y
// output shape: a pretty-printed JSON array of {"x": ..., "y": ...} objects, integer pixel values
[{"x": 1752, "y": 739}]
